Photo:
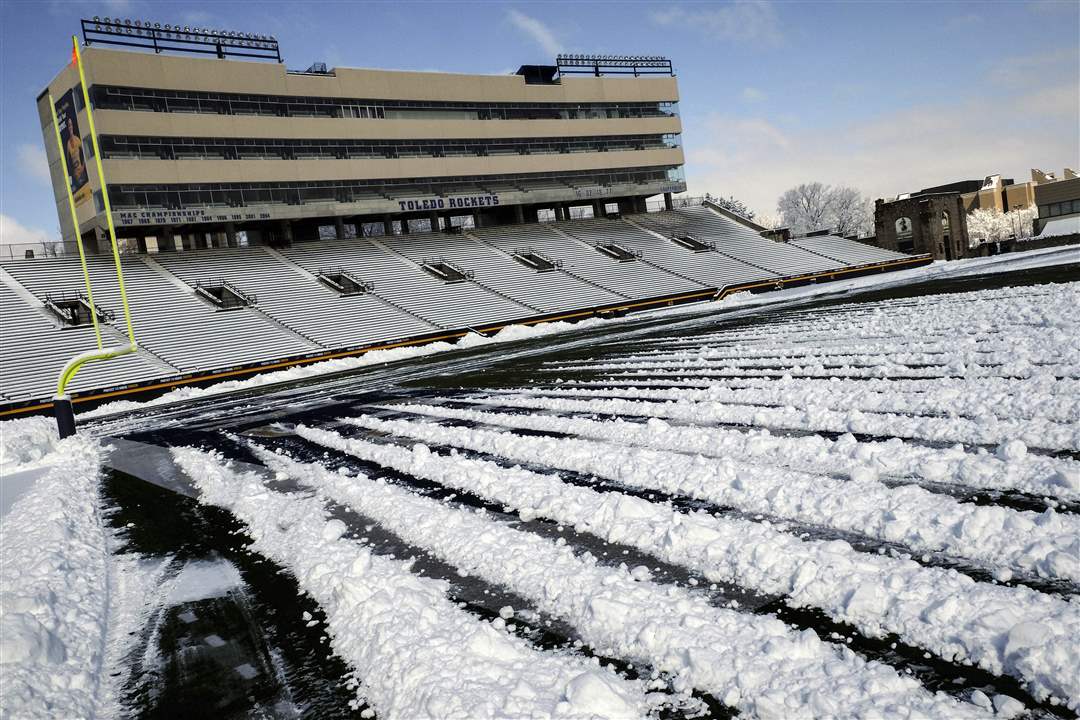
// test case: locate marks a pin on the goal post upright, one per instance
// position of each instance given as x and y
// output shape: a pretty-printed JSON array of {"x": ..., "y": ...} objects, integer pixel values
[{"x": 62, "y": 407}]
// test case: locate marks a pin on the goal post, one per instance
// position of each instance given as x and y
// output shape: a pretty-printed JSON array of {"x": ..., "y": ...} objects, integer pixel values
[{"x": 62, "y": 407}]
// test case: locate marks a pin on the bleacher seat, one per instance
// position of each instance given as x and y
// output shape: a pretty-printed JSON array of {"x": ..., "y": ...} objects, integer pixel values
[
  {"x": 297, "y": 300},
  {"x": 284, "y": 309},
  {"x": 405, "y": 285},
  {"x": 849, "y": 252},
  {"x": 169, "y": 321}
]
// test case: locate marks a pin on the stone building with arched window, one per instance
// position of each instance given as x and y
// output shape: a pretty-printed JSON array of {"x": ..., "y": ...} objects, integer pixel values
[{"x": 933, "y": 223}]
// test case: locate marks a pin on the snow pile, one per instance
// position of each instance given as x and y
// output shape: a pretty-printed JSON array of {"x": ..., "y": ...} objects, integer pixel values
[
  {"x": 54, "y": 570},
  {"x": 1038, "y": 474},
  {"x": 25, "y": 442},
  {"x": 686, "y": 405},
  {"x": 756, "y": 664},
  {"x": 415, "y": 652},
  {"x": 1046, "y": 544},
  {"x": 940, "y": 610}
]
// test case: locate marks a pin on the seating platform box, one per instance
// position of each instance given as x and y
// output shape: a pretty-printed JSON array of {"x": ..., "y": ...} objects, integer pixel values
[
  {"x": 618, "y": 252},
  {"x": 223, "y": 295},
  {"x": 536, "y": 261},
  {"x": 690, "y": 242},
  {"x": 446, "y": 270},
  {"x": 74, "y": 309},
  {"x": 344, "y": 282}
]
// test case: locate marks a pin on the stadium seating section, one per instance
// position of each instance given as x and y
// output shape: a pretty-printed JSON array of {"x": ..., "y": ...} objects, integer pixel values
[{"x": 411, "y": 286}]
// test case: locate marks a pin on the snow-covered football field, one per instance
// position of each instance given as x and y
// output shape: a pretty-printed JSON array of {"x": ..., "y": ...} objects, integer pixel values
[{"x": 864, "y": 506}]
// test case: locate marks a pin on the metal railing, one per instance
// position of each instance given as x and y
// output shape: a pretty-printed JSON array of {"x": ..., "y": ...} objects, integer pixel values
[
  {"x": 66, "y": 306},
  {"x": 206, "y": 289},
  {"x": 333, "y": 276},
  {"x": 526, "y": 253},
  {"x": 617, "y": 251},
  {"x": 432, "y": 264}
]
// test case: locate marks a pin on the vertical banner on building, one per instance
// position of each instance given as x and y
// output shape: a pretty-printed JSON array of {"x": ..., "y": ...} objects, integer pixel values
[{"x": 71, "y": 139}]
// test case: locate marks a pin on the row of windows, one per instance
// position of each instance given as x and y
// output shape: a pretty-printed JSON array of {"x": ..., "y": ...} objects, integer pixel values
[
  {"x": 1065, "y": 207},
  {"x": 169, "y": 148},
  {"x": 180, "y": 101},
  {"x": 177, "y": 197}
]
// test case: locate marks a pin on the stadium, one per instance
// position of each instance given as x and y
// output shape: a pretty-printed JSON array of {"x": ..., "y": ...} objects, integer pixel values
[
  {"x": 354, "y": 393},
  {"x": 275, "y": 218}
]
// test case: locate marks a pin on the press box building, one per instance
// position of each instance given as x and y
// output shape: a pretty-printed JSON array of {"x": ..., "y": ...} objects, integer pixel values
[{"x": 197, "y": 150}]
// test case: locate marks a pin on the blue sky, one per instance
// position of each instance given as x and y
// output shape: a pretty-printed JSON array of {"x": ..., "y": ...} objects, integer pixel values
[{"x": 887, "y": 97}]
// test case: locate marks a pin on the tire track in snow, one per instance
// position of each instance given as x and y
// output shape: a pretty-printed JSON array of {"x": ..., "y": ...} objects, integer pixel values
[
  {"x": 417, "y": 653},
  {"x": 966, "y": 531},
  {"x": 846, "y": 455},
  {"x": 992, "y": 495},
  {"x": 755, "y": 664},
  {"x": 811, "y": 420},
  {"x": 811, "y": 412},
  {"x": 1029, "y": 400},
  {"x": 753, "y": 555}
]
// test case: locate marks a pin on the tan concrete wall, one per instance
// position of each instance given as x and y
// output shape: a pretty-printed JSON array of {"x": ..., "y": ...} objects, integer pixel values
[
  {"x": 138, "y": 172},
  {"x": 1022, "y": 194},
  {"x": 1058, "y": 191},
  {"x": 137, "y": 69},
  {"x": 125, "y": 122},
  {"x": 171, "y": 72},
  {"x": 1002, "y": 200}
]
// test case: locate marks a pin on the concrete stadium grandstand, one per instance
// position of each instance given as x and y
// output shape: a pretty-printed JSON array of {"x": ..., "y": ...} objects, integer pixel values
[{"x": 270, "y": 217}]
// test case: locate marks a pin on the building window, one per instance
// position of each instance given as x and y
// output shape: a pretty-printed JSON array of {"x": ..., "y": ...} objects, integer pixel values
[
  {"x": 99, "y": 202},
  {"x": 903, "y": 228},
  {"x": 945, "y": 221},
  {"x": 88, "y": 143},
  {"x": 77, "y": 92}
]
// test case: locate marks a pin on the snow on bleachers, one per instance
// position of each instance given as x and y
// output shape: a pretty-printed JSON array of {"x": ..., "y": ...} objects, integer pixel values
[
  {"x": 712, "y": 268},
  {"x": 406, "y": 286},
  {"x": 297, "y": 300},
  {"x": 704, "y": 269},
  {"x": 742, "y": 243},
  {"x": 494, "y": 269},
  {"x": 636, "y": 279},
  {"x": 298, "y": 315},
  {"x": 36, "y": 350},
  {"x": 849, "y": 252},
  {"x": 169, "y": 322}
]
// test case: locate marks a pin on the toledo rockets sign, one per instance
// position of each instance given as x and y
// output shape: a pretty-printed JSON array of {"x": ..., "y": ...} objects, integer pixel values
[{"x": 452, "y": 203}]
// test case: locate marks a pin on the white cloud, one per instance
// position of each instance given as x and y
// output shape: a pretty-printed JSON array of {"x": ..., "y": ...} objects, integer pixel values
[
  {"x": 540, "y": 33},
  {"x": 752, "y": 21},
  {"x": 32, "y": 162},
  {"x": 1038, "y": 68},
  {"x": 755, "y": 159},
  {"x": 12, "y": 232},
  {"x": 752, "y": 94}
]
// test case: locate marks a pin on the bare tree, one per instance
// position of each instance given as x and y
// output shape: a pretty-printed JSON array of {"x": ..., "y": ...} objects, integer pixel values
[
  {"x": 816, "y": 206},
  {"x": 804, "y": 208},
  {"x": 852, "y": 214}
]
